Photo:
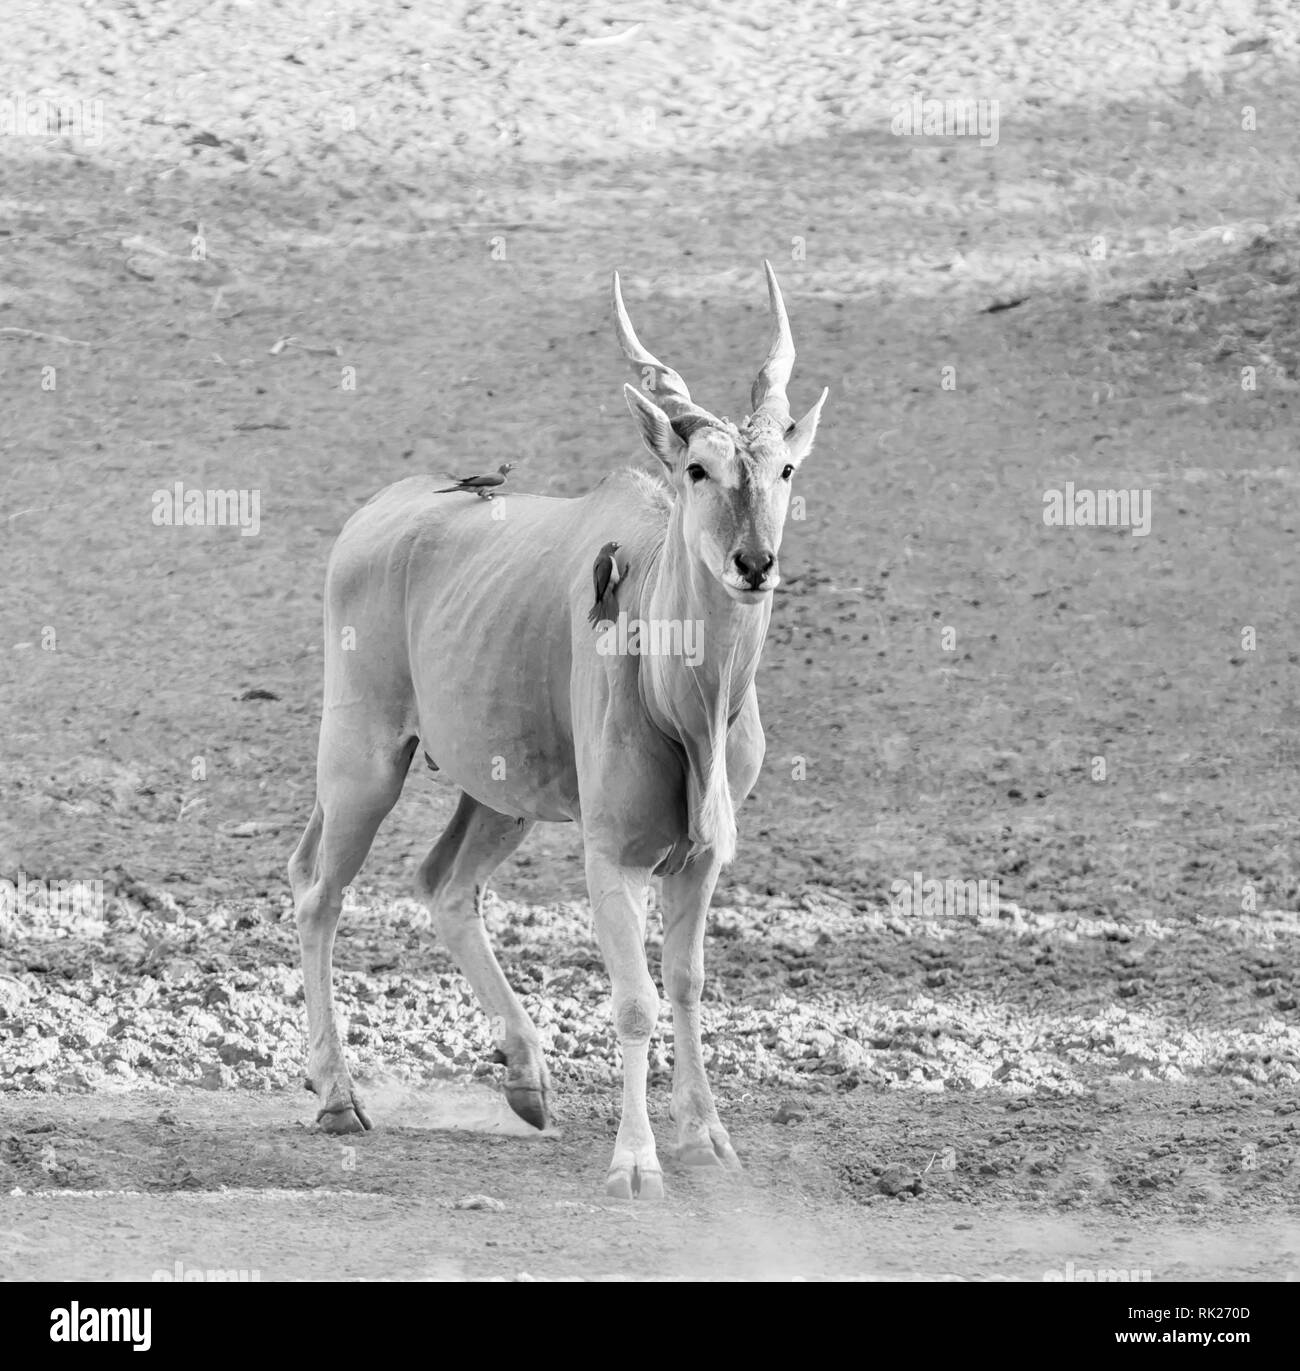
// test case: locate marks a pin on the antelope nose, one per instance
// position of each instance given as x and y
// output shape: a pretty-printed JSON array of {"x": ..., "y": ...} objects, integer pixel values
[{"x": 754, "y": 566}]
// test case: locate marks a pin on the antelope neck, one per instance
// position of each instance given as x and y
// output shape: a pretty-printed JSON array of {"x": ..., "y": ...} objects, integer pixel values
[{"x": 698, "y": 699}]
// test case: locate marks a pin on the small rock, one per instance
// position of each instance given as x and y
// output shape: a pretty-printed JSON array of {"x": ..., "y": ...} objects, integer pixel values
[
  {"x": 88, "y": 1034},
  {"x": 146, "y": 991},
  {"x": 13, "y": 994},
  {"x": 898, "y": 1179},
  {"x": 238, "y": 1048},
  {"x": 480, "y": 1202},
  {"x": 789, "y": 1112},
  {"x": 819, "y": 1041},
  {"x": 250, "y": 829}
]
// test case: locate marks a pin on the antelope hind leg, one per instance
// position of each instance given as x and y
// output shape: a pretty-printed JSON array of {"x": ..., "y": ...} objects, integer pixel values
[
  {"x": 353, "y": 797},
  {"x": 451, "y": 883}
]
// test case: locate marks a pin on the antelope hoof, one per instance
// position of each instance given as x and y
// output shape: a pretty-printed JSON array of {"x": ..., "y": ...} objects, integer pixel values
[
  {"x": 343, "y": 1113},
  {"x": 632, "y": 1183},
  {"x": 342, "y": 1120},
  {"x": 715, "y": 1153},
  {"x": 530, "y": 1105}
]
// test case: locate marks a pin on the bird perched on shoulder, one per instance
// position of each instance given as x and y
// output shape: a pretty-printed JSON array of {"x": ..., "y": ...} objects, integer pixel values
[
  {"x": 605, "y": 577},
  {"x": 482, "y": 486}
]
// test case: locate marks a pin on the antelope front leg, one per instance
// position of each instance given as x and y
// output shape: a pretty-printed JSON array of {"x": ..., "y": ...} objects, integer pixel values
[
  {"x": 618, "y": 908},
  {"x": 701, "y": 1138}
]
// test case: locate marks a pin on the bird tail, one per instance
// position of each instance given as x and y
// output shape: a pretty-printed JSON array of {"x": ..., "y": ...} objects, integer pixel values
[
  {"x": 601, "y": 610},
  {"x": 448, "y": 490}
]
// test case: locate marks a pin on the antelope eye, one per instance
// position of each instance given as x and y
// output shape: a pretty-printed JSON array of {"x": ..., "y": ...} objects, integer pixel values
[
  {"x": 696, "y": 472},
  {"x": 788, "y": 472}
]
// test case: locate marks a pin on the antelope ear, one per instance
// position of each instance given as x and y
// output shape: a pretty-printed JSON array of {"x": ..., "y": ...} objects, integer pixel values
[
  {"x": 656, "y": 432},
  {"x": 799, "y": 437}
]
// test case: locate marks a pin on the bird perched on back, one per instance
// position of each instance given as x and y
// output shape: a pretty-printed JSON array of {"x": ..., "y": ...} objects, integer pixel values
[
  {"x": 605, "y": 577},
  {"x": 482, "y": 486}
]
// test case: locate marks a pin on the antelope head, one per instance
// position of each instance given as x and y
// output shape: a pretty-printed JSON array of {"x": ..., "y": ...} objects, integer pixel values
[{"x": 732, "y": 481}]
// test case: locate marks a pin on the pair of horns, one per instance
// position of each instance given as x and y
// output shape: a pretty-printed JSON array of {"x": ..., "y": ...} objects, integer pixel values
[{"x": 669, "y": 390}]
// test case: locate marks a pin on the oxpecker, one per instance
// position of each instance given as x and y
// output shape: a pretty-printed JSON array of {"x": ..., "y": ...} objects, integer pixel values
[
  {"x": 605, "y": 577},
  {"x": 482, "y": 486}
]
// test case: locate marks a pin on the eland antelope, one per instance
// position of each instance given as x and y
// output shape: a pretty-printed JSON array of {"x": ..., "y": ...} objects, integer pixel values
[{"x": 469, "y": 637}]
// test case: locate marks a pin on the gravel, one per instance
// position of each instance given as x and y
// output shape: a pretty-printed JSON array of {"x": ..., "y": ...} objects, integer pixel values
[{"x": 165, "y": 996}]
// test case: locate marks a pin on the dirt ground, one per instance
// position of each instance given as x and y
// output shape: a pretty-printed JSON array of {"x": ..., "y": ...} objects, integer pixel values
[
  {"x": 148, "y": 1180},
  {"x": 161, "y": 696},
  {"x": 923, "y": 507}
]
